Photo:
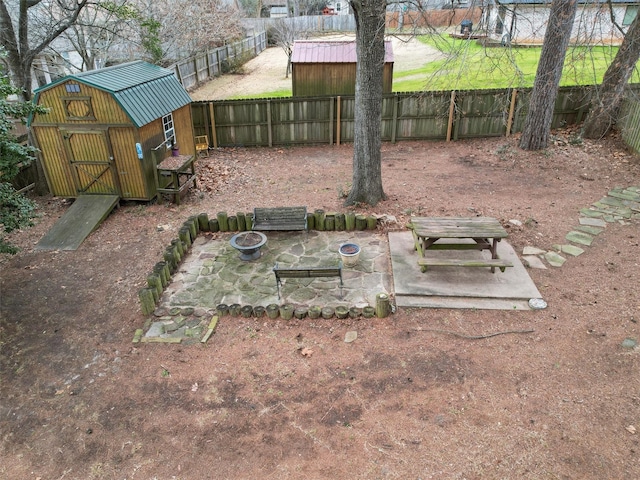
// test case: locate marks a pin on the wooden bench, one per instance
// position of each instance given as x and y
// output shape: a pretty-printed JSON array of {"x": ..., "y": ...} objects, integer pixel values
[
  {"x": 178, "y": 174},
  {"x": 491, "y": 262},
  {"x": 307, "y": 272},
  {"x": 280, "y": 218}
]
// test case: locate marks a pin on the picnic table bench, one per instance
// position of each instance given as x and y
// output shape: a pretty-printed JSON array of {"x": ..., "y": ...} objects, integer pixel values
[
  {"x": 307, "y": 272},
  {"x": 484, "y": 231},
  {"x": 280, "y": 218}
]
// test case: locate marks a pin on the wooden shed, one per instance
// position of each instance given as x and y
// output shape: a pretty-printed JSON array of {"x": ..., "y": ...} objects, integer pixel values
[
  {"x": 106, "y": 130},
  {"x": 329, "y": 68}
]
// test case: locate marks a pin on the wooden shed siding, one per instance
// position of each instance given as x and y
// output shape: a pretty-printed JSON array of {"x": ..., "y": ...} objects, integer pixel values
[
  {"x": 387, "y": 78},
  {"x": 312, "y": 79},
  {"x": 57, "y": 171},
  {"x": 183, "y": 124},
  {"x": 129, "y": 168},
  {"x": 150, "y": 136},
  {"x": 105, "y": 109}
]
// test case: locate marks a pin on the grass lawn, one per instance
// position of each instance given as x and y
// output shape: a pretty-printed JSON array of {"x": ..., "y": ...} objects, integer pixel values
[
  {"x": 470, "y": 66},
  {"x": 282, "y": 93}
]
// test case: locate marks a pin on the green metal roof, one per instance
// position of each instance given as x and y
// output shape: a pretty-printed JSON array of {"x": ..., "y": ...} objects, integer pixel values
[{"x": 144, "y": 91}]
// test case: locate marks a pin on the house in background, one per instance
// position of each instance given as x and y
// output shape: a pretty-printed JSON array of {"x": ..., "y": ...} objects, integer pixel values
[
  {"x": 525, "y": 21},
  {"x": 275, "y": 8},
  {"x": 339, "y": 7},
  {"x": 329, "y": 68},
  {"x": 106, "y": 130}
]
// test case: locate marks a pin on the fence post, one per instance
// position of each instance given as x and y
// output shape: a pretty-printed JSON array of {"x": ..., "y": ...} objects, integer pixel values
[
  {"x": 338, "y": 126},
  {"x": 512, "y": 108},
  {"x": 331, "y": 101},
  {"x": 269, "y": 132},
  {"x": 205, "y": 116},
  {"x": 214, "y": 135},
  {"x": 452, "y": 109},
  {"x": 394, "y": 125},
  {"x": 292, "y": 127}
]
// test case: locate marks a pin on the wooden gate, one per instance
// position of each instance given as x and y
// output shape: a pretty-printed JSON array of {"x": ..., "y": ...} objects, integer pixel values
[{"x": 92, "y": 164}]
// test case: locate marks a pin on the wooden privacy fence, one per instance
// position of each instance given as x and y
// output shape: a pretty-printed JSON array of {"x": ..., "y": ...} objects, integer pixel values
[
  {"x": 305, "y": 23},
  {"x": 395, "y": 20},
  {"x": 405, "y": 116},
  {"x": 629, "y": 121},
  {"x": 194, "y": 70}
]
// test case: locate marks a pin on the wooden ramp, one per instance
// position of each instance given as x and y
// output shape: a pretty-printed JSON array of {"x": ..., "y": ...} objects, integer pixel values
[{"x": 82, "y": 218}]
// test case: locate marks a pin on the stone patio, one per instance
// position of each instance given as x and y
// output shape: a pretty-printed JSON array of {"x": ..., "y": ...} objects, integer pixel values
[{"x": 214, "y": 274}]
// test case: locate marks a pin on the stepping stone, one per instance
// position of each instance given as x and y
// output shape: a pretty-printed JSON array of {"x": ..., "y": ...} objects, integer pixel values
[
  {"x": 612, "y": 202},
  {"x": 590, "y": 230},
  {"x": 570, "y": 249},
  {"x": 156, "y": 329},
  {"x": 533, "y": 261},
  {"x": 171, "y": 327},
  {"x": 624, "y": 195},
  {"x": 588, "y": 212},
  {"x": 533, "y": 251},
  {"x": 627, "y": 209},
  {"x": 607, "y": 210},
  {"x": 579, "y": 238},
  {"x": 350, "y": 336},
  {"x": 554, "y": 259},
  {"x": 592, "y": 222},
  {"x": 634, "y": 206}
]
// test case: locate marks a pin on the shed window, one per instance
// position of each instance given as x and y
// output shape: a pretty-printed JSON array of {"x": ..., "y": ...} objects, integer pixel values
[
  {"x": 78, "y": 108},
  {"x": 630, "y": 15},
  {"x": 72, "y": 88},
  {"x": 169, "y": 132}
]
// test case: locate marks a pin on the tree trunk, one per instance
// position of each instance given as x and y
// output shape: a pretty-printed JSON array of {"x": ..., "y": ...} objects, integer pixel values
[
  {"x": 535, "y": 135},
  {"x": 367, "y": 170},
  {"x": 606, "y": 106},
  {"x": 20, "y": 51}
]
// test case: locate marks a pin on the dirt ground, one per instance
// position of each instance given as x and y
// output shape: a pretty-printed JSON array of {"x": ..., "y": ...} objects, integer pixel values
[{"x": 79, "y": 400}]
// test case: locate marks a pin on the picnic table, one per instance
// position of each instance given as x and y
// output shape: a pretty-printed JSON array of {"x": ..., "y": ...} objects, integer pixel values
[{"x": 446, "y": 233}]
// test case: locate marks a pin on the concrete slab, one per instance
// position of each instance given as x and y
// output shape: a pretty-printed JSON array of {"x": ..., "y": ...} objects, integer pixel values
[{"x": 456, "y": 287}]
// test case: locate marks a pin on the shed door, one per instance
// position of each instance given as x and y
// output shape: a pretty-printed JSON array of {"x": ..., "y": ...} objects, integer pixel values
[{"x": 91, "y": 163}]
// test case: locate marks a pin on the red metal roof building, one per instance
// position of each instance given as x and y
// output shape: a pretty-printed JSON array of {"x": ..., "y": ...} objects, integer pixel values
[{"x": 329, "y": 68}]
